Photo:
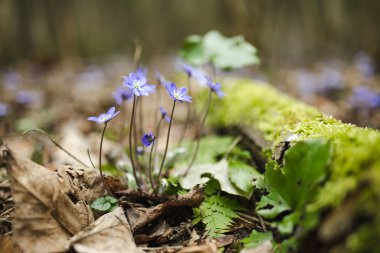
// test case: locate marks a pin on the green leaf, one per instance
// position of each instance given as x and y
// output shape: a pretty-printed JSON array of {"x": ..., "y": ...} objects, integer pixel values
[
  {"x": 219, "y": 171},
  {"x": 210, "y": 148},
  {"x": 286, "y": 226},
  {"x": 242, "y": 175},
  {"x": 112, "y": 170},
  {"x": 256, "y": 238},
  {"x": 107, "y": 203},
  {"x": 224, "y": 53},
  {"x": 305, "y": 167},
  {"x": 271, "y": 205},
  {"x": 217, "y": 214}
]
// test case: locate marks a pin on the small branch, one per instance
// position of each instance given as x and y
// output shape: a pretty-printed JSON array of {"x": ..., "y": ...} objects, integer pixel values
[
  {"x": 232, "y": 146},
  {"x": 56, "y": 144},
  {"x": 89, "y": 157}
]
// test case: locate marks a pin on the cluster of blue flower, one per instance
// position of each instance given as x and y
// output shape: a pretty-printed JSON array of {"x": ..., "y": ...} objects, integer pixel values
[{"x": 136, "y": 85}]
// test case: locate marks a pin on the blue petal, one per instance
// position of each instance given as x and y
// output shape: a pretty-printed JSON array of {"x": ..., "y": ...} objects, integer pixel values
[
  {"x": 111, "y": 111},
  {"x": 93, "y": 119}
]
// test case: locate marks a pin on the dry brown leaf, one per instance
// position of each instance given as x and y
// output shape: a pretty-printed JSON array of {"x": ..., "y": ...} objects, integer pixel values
[
  {"x": 209, "y": 247},
  {"x": 108, "y": 234},
  {"x": 160, "y": 232},
  {"x": 265, "y": 247},
  {"x": 7, "y": 245},
  {"x": 50, "y": 206},
  {"x": 138, "y": 216}
]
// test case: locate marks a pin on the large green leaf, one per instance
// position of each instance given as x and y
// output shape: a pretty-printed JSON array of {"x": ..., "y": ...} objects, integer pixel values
[
  {"x": 219, "y": 171},
  {"x": 305, "y": 167},
  {"x": 224, "y": 53},
  {"x": 295, "y": 185},
  {"x": 241, "y": 175}
]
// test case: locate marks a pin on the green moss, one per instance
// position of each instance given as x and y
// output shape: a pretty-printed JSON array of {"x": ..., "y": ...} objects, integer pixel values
[{"x": 258, "y": 105}]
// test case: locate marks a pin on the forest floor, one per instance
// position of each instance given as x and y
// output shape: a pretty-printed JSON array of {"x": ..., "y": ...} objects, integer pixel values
[{"x": 59, "y": 99}]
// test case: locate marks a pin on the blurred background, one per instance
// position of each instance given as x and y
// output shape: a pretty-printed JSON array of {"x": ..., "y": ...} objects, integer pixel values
[{"x": 292, "y": 32}]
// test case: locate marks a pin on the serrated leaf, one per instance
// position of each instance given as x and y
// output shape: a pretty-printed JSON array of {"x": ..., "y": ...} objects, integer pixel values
[
  {"x": 256, "y": 238},
  {"x": 241, "y": 176},
  {"x": 224, "y": 53}
]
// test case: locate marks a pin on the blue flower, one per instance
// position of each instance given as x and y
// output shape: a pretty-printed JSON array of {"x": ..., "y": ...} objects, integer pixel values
[
  {"x": 138, "y": 83},
  {"x": 121, "y": 95},
  {"x": 215, "y": 87},
  {"x": 161, "y": 79},
  {"x": 142, "y": 71},
  {"x": 148, "y": 139},
  {"x": 362, "y": 96},
  {"x": 178, "y": 94},
  {"x": 4, "y": 109},
  {"x": 25, "y": 97},
  {"x": 164, "y": 114},
  {"x": 188, "y": 69},
  {"x": 105, "y": 117}
]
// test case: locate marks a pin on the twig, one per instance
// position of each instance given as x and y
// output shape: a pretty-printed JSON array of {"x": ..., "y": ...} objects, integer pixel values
[
  {"x": 89, "y": 157},
  {"x": 56, "y": 144},
  {"x": 232, "y": 146}
]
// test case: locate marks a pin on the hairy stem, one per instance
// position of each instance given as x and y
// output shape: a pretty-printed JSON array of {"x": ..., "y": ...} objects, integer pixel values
[
  {"x": 100, "y": 160},
  {"x": 199, "y": 134},
  {"x": 123, "y": 115},
  {"x": 188, "y": 114},
  {"x": 154, "y": 152},
  {"x": 167, "y": 142},
  {"x": 150, "y": 166},
  {"x": 130, "y": 142}
]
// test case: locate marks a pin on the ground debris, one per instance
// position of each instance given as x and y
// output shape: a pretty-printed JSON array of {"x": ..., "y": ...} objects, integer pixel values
[
  {"x": 50, "y": 206},
  {"x": 108, "y": 234},
  {"x": 139, "y": 216}
]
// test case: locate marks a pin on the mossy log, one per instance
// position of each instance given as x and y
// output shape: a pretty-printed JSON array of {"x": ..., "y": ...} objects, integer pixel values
[{"x": 349, "y": 199}]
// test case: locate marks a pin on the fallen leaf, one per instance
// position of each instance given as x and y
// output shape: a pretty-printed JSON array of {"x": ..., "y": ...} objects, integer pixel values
[
  {"x": 159, "y": 233},
  {"x": 7, "y": 245},
  {"x": 108, "y": 234},
  {"x": 265, "y": 247},
  {"x": 50, "y": 206},
  {"x": 208, "y": 247},
  {"x": 139, "y": 216}
]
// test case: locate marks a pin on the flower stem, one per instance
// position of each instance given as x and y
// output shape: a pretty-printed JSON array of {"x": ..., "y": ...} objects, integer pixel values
[
  {"x": 154, "y": 153},
  {"x": 199, "y": 134},
  {"x": 188, "y": 114},
  {"x": 150, "y": 166},
  {"x": 167, "y": 142},
  {"x": 131, "y": 149},
  {"x": 100, "y": 160},
  {"x": 123, "y": 114}
]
